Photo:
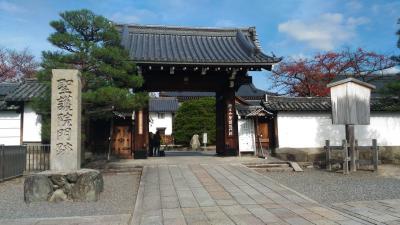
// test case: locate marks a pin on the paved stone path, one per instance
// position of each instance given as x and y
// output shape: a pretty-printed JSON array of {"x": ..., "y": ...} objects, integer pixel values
[
  {"x": 210, "y": 190},
  {"x": 224, "y": 194},
  {"x": 121, "y": 219},
  {"x": 377, "y": 212}
]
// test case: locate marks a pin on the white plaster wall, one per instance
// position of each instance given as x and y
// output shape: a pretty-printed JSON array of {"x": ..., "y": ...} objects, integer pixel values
[
  {"x": 32, "y": 125},
  {"x": 155, "y": 122},
  {"x": 10, "y": 125},
  {"x": 307, "y": 130},
  {"x": 310, "y": 130},
  {"x": 385, "y": 127}
]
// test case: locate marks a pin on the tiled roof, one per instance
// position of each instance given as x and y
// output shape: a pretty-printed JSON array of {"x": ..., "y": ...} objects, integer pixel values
[
  {"x": 378, "y": 80},
  {"x": 254, "y": 102},
  {"x": 26, "y": 91},
  {"x": 3, "y": 105},
  {"x": 379, "y": 104},
  {"x": 197, "y": 46},
  {"x": 249, "y": 91},
  {"x": 295, "y": 104},
  {"x": 6, "y": 88},
  {"x": 163, "y": 104},
  {"x": 244, "y": 110}
]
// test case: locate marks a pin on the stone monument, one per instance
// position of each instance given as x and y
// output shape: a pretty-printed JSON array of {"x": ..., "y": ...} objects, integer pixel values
[
  {"x": 194, "y": 142},
  {"x": 65, "y": 180},
  {"x": 65, "y": 151}
]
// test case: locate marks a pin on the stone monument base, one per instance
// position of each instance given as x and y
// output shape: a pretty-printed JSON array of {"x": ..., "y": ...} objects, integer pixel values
[{"x": 56, "y": 186}]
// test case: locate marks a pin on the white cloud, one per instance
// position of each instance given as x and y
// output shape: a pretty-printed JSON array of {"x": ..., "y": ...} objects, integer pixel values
[
  {"x": 325, "y": 32},
  {"x": 10, "y": 7}
]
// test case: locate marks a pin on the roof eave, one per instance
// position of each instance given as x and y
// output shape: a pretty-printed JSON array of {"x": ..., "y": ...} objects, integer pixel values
[{"x": 266, "y": 66}]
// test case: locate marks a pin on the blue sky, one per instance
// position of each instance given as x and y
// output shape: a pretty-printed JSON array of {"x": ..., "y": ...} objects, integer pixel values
[{"x": 288, "y": 28}]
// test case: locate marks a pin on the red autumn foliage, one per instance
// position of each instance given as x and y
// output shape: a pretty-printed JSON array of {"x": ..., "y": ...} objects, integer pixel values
[
  {"x": 16, "y": 65},
  {"x": 309, "y": 76}
]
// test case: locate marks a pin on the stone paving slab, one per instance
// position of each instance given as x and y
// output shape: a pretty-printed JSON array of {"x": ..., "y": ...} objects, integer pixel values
[
  {"x": 378, "y": 212},
  {"x": 225, "y": 194}
]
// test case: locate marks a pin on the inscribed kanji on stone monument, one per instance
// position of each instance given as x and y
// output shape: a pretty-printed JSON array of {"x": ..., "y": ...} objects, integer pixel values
[{"x": 65, "y": 120}]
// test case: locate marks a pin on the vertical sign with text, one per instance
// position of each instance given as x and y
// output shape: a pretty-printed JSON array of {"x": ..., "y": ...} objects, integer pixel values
[
  {"x": 65, "y": 120},
  {"x": 64, "y": 116},
  {"x": 230, "y": 119}
]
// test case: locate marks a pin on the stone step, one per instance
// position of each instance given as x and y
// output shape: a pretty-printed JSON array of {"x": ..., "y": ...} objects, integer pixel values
[
  {"x": 274, "y": 169},
  {"x": 123, "y": 170},
  {"x": 269, "y": 165}
]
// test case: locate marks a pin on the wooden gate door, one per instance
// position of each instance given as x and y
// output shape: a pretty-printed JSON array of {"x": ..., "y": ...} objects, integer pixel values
[
  {"x": 263, "y": 134},
  {"x": 122, "y": 141}
]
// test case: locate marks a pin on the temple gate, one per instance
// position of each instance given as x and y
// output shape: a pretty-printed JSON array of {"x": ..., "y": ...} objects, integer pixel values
[{"x": 195, "y": 59}]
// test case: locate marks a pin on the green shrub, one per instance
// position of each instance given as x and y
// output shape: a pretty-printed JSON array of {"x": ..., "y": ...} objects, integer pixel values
[{"x": 195, "y": 117}]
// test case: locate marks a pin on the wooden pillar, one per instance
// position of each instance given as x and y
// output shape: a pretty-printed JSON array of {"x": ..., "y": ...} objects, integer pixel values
[
  {"x": 141, "y": 130},
  {"x": 328, "y": 155},
  {"x": 375, "y": 154},
  {"x": 219, "y": 117},
  {"x": 351, "y": 146},
  {"x": 21, "y": 130},
  {"x": 226, "y": 122},
  {"x": 258, "y": 148},
  {"x": 345, "y": 157},
  {"x": 231, "y": 124}
]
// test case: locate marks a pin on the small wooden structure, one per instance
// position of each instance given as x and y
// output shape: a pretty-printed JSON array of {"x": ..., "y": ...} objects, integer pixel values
[
  {"x": 350, "y": 99},
  {"x": 344, "y": 158},
  {"x": 255, "y": 128}
]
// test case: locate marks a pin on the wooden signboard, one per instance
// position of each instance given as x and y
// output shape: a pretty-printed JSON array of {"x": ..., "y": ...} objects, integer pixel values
[{"x": 350, "y": 100}]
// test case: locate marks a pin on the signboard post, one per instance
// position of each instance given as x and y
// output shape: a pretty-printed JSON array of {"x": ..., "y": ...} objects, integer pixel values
[
  {"x": 350, "y": 99},
  {"x": 205, "y": 139}
]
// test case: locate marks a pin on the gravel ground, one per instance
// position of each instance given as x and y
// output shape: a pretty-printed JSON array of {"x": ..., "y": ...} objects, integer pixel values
[
  {"x": 118, "y": 197},
  {"x": 330, "y": 187}
]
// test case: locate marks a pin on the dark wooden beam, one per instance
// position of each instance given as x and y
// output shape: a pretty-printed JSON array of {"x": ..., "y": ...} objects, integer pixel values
[{"x": 188, "y": 80}]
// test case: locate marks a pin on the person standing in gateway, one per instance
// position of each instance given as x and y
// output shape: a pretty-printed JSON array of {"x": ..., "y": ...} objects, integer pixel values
[
  {"x": 156, "y": 143},
  {"x": 151, "y": 143}
]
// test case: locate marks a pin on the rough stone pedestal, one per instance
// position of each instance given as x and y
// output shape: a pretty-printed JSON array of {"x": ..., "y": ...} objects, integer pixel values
[{"x": 55, "y": 186}]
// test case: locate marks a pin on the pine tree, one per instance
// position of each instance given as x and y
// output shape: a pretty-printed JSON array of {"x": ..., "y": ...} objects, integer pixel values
[{"x": 91, "y": 44}]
